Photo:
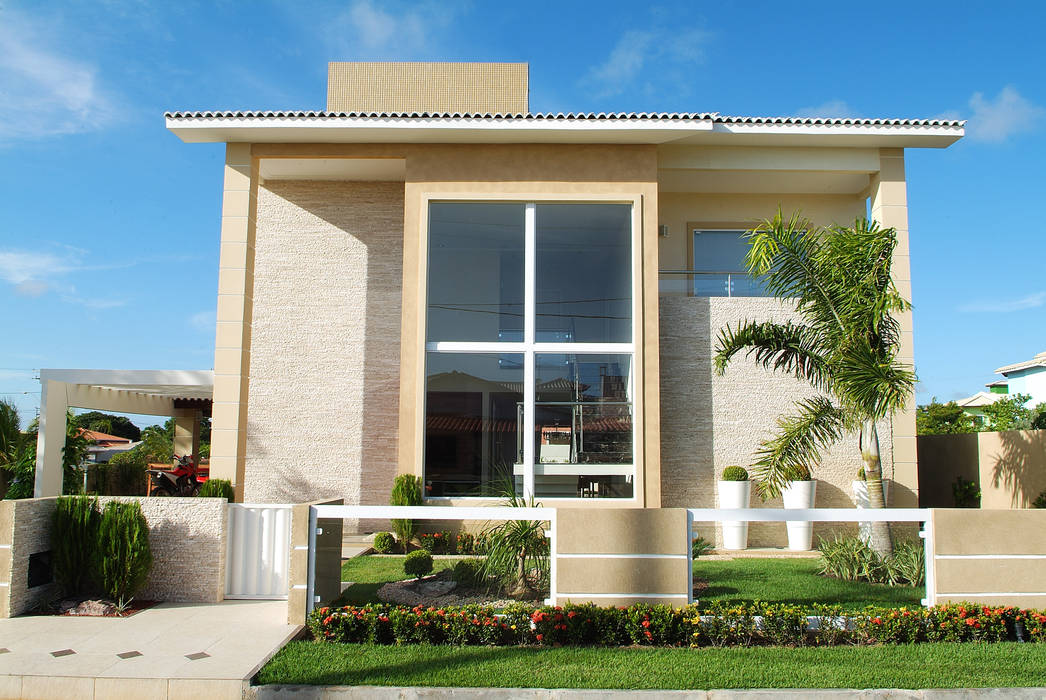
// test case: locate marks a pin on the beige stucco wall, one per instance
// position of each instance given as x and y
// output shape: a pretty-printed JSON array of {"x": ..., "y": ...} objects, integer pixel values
[
  {"x": 710, "y": 422},
  {"x": 1010, "y": 467},
  {"x": 324, "y": 379}
]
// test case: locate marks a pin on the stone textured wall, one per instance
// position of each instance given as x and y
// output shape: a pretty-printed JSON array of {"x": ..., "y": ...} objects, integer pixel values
[
  {"x": 710, "y": 422},
  {"x": 187, "y": 537},
  {"x": 324, "y": 387},
  {"x": 25, "y": 527}
]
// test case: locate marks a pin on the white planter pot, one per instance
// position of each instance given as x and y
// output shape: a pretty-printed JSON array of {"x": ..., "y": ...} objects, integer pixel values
[
  {"x": 860, "y": 498},
  {"x": 734, "y": 494},
  {"x": 800, "y": 494}
]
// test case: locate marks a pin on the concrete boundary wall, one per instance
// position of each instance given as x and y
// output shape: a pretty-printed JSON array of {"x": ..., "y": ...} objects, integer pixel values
[
  {"x": 621, "y": 556},
  {"x": 990, "y": 557},
  {"x": 187, "y": 537},
  {"x": 1009, "y": 467}
]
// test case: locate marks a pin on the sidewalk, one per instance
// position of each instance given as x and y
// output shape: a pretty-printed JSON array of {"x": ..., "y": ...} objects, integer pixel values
[{"x": 175, "y": 650}]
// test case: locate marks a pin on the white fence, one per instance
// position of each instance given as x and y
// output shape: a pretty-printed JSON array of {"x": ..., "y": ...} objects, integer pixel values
[
  {"x": 257, "y": 560},
  {"x": 495, "y": 513}
]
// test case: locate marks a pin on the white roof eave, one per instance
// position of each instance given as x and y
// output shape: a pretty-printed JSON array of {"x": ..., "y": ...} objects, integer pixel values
[{"x": 472, "y": 130}]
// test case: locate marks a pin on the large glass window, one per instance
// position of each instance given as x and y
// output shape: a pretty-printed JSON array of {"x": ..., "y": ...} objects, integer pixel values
[
  {"x": 719, "y": 266},
  {"x": 529, "y": 382}
]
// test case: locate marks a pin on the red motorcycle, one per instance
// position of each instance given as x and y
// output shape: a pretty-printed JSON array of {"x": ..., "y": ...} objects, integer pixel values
[{"x": 183, "y": 480}]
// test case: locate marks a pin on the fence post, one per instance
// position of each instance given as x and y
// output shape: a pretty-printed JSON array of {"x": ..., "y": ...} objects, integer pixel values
[
  {"x": 928, "y": 556},
  {"x": 310, "y": 587},
  {"x": 690, "y": 555}
]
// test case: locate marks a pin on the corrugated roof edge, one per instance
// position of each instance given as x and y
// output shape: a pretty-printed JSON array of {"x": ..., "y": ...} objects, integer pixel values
[{"x": 560, "y": 116}]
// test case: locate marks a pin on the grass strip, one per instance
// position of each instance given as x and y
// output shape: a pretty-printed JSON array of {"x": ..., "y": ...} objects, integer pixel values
[{"x": 915, "y": 666}]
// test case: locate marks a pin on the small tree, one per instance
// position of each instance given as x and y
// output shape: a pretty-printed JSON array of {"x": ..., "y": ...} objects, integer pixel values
[
  {"x": 123, "y": 553},
  {"x": 1010, "y": 413},
  {"x": 942, "y": 419},
  {"x": 406, "y": 491},
  {"x": 74, "y": 532},
  {"x": 846, "y": 346}
]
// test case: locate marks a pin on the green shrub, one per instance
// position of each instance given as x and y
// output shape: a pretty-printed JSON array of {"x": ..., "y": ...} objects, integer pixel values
[
  {"x": 967, "y": 494},
  {"x": 74, "y": 532},
  {"x": 1040, "y": 500},
  {"x": 406, "y": 491},
  {"x": 735, "y": 473},
  {"x": 861, "y": 475},
  {"x": 468, "y": 573},
  {"x": 384, "y": 542},
  {"x": 217, "y": 488},
  {"x": 418, "y": 563},
  {"x": 802, "y": 473},
  {"x": 700, "y": 546},
  {"x": 123, "y": 554},
  {"x": 126, "y": 474},
  {"x": 851, "y": 559}
]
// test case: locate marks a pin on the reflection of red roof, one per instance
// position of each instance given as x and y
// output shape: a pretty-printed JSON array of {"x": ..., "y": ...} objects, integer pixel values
[
  {"x": 468, "y": 424},
  {"x": 103, "y": 439}
]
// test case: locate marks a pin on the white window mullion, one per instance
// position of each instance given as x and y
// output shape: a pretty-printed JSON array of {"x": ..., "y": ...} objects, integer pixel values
[{"x": 529, "y": 323}]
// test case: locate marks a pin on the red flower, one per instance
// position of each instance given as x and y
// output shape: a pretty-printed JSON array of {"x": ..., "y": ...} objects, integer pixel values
[
  {"x": 648, "y": 635},
  {"x": 646, "y": 623},
  {"x": 540, "y": 637},
  {"x": 571, "y": 614},
  {"x": 877, "y": 621}
]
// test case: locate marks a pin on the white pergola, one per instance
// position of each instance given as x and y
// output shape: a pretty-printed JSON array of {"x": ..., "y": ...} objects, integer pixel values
[{"x": 171, "y": 393}]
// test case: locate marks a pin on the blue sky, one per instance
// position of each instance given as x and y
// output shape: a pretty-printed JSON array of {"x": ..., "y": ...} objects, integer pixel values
[{"x": 109, "y": 224}]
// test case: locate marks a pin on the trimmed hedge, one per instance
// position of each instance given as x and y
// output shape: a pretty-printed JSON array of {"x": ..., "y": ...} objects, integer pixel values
[{"x": 724, "y": 624}]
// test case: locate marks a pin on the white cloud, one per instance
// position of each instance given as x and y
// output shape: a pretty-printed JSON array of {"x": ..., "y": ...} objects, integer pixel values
[
  {"x": 203, "y": 320},
  {"x": 640, "y": 51},
  {"x": 33, "y": 274},
  {"x": 387, "y": 28},
  {"x": 1031, "y": 301},
  {"x": 832, "y": 109},
  {"x": 995, "y": 120},
  {"x": 45, "y": 93}
]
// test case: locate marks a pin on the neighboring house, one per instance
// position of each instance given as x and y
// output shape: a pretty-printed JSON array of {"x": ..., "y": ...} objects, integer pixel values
[
  {"x": 103, "y": 446},
  {"x": 973, "y": 406},
  {"x": 426, "y": 273},
  {"x": 1028, "y": 377}
]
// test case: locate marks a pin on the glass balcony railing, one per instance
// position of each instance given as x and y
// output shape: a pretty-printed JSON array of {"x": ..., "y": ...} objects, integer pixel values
[{"x": 710, "y": 283}]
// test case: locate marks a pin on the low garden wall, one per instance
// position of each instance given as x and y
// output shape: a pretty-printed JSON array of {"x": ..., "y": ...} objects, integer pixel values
[
  {"x": 187, "y": 537},
  {"x": 1009, "y": 467}
]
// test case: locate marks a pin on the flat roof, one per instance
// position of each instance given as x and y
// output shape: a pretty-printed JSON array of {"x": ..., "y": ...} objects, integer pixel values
[{"x": 692, "y": 128}]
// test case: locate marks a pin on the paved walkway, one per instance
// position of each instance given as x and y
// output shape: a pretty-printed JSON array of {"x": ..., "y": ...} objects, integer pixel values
[{"x": 172, "y": 651}]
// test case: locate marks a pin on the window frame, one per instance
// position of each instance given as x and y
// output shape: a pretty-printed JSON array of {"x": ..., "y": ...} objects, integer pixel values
[
  {"x": 530, "y": 347},
  {"x": 693, "y": 229}
]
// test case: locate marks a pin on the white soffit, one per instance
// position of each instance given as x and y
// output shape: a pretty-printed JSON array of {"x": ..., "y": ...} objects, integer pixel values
[
  {"x": 179, "y": 384},
  {"x": 754, "y": 182},
  {"x": 359, "y": 169}
]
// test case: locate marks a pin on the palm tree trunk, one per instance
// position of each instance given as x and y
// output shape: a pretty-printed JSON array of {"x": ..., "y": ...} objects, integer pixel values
[{"x": 881, "y": 541}]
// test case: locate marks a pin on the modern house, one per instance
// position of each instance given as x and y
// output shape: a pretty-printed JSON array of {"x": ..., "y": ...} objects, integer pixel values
[
  {"x": 428, "y": 278},
  {"x": 1028, "y": 377}
]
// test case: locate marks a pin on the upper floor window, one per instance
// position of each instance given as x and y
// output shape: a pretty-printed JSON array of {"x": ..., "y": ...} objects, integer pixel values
[{"x": 718, "y": 265}]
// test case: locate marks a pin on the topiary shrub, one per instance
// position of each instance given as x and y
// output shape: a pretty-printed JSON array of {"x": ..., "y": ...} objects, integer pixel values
[
  {"x": 1040, "y": 501},
  {"x": 384, "y": 542},
  {"x": 735, "y": 473},
  {"x": 217, "y": 488},
  {"x": 406, "y": 491},
  {"x": 123, "y": 554},
  {"x": 418, "y": 564},
  {"x": 468, "y": 573},
  {"x": 74, "y": 531}
]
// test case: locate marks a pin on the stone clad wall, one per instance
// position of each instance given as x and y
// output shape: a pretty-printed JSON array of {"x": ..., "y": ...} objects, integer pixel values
[
  {"x": 324, "y": 387},
  {"x": 710, "y": 422},
  {"x": 187, "y": 537}
]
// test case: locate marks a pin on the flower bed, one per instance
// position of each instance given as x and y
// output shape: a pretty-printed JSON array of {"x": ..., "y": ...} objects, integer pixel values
[
  {"x": 724, "y": 624},
  {"x": 445, "y": 542}
]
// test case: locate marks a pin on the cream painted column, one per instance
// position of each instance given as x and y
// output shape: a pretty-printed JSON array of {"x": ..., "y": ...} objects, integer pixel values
[
  {"x": 50, "y": 441},
  {"x": 187, "y": 433},
  {"x": 889, "y": 205},
  {"x": 232, "y": 346}
]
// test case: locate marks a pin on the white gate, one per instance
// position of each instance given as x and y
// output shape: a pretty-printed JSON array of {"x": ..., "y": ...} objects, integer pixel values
[{"x": 257, "y": 559}]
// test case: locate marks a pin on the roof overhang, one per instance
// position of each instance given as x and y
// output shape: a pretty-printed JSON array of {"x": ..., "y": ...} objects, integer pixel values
[
  {"x": 697, "y": 129},
  {"x": 162, "y": 384}
]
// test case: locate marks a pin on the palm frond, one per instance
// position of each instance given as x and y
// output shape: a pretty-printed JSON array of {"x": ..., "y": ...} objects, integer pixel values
[
  {"x": 797, "y": 445},
  {"x": 873, "y": 381},
  {"x": 789, "y": 347}
]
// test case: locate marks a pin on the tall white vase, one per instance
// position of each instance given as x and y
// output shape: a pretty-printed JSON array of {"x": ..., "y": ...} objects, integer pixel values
[
  {"x": 800, "y": 494},
  {"x": 860, "y": 488},
  {"x": 734, "y": 494}
]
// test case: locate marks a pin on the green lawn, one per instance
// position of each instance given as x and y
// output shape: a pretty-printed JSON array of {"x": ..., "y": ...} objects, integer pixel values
[
  {"x": 774, "y": 580},
  {"x": 914, "y": 666},
  {"x": 368, "y": 574},
  {"x": 793, "y": 581}
]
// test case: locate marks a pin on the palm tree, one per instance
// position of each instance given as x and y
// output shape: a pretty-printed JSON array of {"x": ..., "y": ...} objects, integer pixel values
[{"x": 845, "y": 345}]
